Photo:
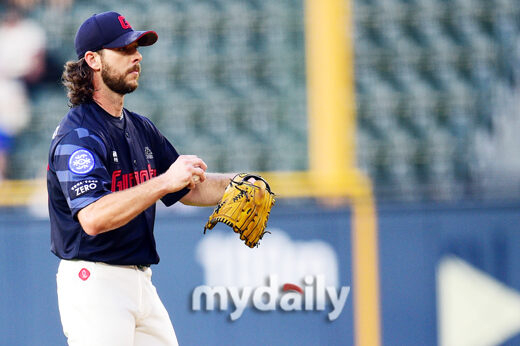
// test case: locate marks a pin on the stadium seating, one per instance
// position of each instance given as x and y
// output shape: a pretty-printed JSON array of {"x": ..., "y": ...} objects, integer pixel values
[{"x": 226, "y": 80}]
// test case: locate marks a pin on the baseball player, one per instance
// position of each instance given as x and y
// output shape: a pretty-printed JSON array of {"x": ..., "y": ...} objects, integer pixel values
[{"x": 107, "y": 168}]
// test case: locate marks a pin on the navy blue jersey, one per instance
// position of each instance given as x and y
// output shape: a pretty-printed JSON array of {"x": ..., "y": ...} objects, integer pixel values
[{"x": 93, "y": 154}]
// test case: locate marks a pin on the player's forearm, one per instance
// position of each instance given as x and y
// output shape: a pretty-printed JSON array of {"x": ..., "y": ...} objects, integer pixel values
[
  {"x": 210, "y": 191},
  {"x": 117, "y": 209}
]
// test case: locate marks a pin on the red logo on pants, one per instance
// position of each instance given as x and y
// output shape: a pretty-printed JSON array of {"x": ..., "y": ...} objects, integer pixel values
[{"x": 84, "y": 274}]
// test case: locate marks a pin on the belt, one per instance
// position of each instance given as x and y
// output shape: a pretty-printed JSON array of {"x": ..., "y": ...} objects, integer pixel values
[{"x": 141, "y": 267}]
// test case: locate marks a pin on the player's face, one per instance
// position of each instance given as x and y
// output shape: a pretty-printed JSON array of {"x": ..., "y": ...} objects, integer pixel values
[{"x": 121, "y": 69}]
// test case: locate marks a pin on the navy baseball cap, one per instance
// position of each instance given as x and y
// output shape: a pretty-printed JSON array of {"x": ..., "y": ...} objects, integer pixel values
[{"x": 109, "y": 30}]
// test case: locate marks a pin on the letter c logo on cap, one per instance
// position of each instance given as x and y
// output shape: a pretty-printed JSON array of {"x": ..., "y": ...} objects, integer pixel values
[{"x": 124, "y": 22}]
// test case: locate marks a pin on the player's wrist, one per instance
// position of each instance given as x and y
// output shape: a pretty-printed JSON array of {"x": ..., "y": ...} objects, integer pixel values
[
  {"x": 162, "y": 184},
  {"x": 168, "y": 184}
]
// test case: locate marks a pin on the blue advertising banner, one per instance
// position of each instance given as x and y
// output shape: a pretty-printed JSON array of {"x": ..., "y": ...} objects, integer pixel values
[
  {"x": 416, "y": 243},
  {"x": 441, "y": 267}
]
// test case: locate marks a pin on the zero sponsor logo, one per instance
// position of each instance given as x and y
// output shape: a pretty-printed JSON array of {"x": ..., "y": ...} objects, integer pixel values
[
  {"x": 81, "y": 162},
  {"x": 83, "y": 187}
]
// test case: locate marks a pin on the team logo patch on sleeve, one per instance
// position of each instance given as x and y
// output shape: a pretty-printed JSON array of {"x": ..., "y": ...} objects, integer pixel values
[{"x": 81, "y": 161}]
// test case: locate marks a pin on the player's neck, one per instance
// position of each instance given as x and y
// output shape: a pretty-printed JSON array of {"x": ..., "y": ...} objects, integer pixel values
[{"x": 111, "y": 102}]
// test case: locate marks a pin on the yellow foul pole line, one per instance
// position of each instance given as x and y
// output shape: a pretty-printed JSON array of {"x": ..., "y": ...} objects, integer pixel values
[{"x": 332, "y": 126}]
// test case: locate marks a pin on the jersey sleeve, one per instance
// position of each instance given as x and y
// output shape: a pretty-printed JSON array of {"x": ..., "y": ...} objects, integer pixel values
[
  {"x": 79, "y": 162},
  {"x": 167, "y": 156}
]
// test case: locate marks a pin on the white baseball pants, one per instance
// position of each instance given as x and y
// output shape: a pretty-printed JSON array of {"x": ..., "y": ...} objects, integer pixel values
[{"x": 111, "y": 305}]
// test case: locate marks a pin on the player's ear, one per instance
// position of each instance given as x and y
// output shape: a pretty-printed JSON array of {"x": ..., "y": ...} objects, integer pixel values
[{"x": 93, "y": 60}]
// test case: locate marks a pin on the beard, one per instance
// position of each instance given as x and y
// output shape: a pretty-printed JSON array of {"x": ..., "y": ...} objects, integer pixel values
[{"x": 116, "y": 82}]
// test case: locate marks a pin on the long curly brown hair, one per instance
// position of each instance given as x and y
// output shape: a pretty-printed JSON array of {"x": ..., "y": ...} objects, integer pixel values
[{"x": 77, "y": 78}]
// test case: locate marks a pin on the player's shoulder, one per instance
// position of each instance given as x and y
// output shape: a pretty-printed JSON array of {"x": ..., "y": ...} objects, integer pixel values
[{"x": 77, "y": 126}]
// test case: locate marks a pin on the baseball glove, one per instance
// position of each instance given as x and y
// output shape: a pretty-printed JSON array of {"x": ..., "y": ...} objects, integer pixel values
[{"x": 245, "y": 207}]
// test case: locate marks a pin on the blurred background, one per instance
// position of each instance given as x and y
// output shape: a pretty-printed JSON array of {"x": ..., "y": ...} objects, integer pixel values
[
  {"x": 435, "y": 87},
  {"x": 437, "y": 105}
]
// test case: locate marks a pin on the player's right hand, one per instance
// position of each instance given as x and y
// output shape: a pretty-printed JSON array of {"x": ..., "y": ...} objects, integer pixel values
[{"x": 182, "y": 172}]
